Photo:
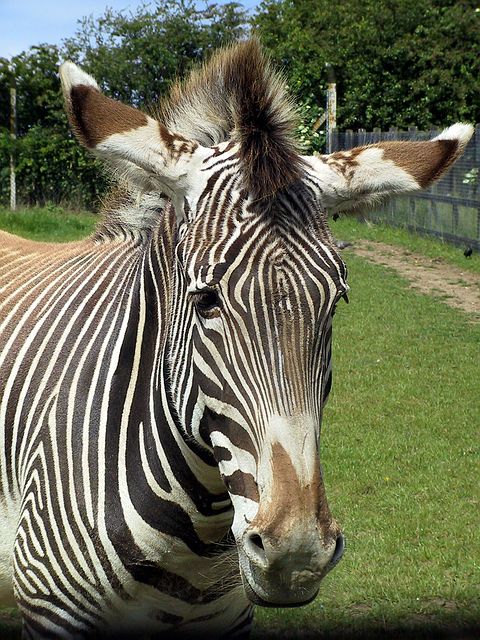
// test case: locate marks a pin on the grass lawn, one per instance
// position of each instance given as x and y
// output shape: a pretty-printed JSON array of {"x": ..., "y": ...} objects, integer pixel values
[
  {"x": 52, "y": 224},
  {"x": 400, "y": 453}
]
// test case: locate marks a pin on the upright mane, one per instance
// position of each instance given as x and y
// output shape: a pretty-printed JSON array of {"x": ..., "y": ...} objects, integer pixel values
[{"x": 238, "y": 95}]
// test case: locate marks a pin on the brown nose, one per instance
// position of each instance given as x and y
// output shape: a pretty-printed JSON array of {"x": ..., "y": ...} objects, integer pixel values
[{"x": 293, "y": 541}]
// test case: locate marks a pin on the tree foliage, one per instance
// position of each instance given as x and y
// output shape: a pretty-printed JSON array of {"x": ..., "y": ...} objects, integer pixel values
[
  {"x": 398, "y": 63},
  {"x": 134, "y": 56}
]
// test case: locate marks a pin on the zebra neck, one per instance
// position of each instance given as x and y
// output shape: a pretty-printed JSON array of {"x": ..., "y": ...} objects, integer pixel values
[{"x": 163, "y": 477}]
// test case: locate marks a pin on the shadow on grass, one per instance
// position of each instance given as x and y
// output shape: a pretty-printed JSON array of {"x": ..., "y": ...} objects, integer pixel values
[{"x": 388, "y": 632}]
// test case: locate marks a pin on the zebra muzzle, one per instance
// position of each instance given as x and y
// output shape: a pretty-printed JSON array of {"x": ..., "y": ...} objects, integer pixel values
[{"x": 287, "y": 572}]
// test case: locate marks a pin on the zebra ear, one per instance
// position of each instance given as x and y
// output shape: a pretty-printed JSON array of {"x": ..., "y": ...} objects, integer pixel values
[
  {"x": 140, "y": 148},
  {"x": 365, "y": 176}
]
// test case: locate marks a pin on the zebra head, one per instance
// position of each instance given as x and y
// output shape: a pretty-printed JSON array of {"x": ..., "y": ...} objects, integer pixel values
[{"x": 256, "y": 279}]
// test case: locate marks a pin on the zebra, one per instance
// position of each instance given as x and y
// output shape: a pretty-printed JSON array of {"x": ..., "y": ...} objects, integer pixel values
[{"x": 162, "y": 382}]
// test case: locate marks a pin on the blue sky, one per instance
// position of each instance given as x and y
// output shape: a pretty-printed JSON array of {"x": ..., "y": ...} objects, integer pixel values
[{"x": 24, "y": 23}]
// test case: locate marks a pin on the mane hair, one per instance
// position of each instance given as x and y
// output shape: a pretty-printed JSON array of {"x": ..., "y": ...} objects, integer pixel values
[{"x": 238, "y": 95}]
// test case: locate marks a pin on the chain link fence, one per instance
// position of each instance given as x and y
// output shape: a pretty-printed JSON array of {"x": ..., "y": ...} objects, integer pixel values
[{"x": 449, "y": 209}]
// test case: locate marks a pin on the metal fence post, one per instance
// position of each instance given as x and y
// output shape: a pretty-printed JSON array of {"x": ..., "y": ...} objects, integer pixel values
[
  {"x": 335, "y": 144},
  {"x": 476, "y": 193},
  {"x": 392, "y": 133}
]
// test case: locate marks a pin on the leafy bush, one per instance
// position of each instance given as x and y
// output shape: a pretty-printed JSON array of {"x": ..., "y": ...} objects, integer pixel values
[
  {"x": 134, "y": 56},
  {"x": 50, "y": 167}
]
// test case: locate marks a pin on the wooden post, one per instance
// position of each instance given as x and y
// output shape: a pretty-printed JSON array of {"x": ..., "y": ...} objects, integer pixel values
[
  {"x": 476, "y": 193},
  {"x": 13, "y": 136},
  {"x": 349, "y": 139},
  {"x": 392, "y": 133},
  {"x": 331, "y": 106}
]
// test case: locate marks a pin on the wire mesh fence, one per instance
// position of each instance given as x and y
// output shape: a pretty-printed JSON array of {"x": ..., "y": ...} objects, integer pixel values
[{"x": 449, "y": 209}]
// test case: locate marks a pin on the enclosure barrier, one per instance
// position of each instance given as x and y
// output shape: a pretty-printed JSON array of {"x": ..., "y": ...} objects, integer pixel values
[{"x": 449, "y": 209}]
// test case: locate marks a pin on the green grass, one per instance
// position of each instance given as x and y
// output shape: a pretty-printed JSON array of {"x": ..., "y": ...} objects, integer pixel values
[
  {"x": 52, "y": 224},
  {"x": 400, "y": 452},
  {"x": 352, "y": 228}
]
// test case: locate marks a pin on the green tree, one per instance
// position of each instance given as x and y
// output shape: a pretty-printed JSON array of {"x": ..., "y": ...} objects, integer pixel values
[
  {"x": 398, "y": 62},
  {"x": 50, "y": 165},
  {"x": 134, "y": 56},
  {"x": 39, "y": 100}
]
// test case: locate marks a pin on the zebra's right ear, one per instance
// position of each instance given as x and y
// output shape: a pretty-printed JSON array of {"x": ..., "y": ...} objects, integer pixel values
[{"x": 140, "y": 148}]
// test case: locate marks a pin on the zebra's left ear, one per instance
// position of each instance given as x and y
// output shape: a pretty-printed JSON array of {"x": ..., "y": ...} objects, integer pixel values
[
  {"x": 141, "y": 149},
  {"x": 364, "y": 176}
]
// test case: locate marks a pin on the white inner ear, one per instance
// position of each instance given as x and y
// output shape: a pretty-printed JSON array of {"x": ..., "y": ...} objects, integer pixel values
[
  {"x": 375, "y": 174},
  {"x": 363, "y": 183},
  {"x": 140, "y": 158}
]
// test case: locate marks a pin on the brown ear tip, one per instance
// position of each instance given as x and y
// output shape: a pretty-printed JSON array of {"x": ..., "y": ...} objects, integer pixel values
[{"x": 79, "y": 106}]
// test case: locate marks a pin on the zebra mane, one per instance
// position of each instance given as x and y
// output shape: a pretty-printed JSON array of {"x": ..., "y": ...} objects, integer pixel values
[{"x": 238, "y": 95}]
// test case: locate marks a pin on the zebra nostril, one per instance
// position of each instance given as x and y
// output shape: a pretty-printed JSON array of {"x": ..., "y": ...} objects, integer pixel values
[
  {"x": 338, "y": 552},
  {"x": 256, "y": 540},
  {"x": 254, "y": 548}
]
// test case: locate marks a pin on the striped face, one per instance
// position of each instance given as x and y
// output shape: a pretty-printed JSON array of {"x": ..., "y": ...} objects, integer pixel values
[
  {"x": 251, "y": 371},
  {"x": 256, "y": 282}
]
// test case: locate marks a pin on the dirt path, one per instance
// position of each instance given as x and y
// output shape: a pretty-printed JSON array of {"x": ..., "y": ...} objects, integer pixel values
[{"x": 435, "y": 276}]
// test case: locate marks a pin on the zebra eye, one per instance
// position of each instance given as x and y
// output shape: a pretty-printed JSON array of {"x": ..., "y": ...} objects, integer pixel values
[{"x": 206, "y": 300}]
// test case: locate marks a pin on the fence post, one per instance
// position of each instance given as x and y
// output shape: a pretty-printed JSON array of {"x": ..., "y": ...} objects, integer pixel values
[
  {"x": 413, "y": 131},
  {"x": 334, "y": 134},
  {"x": 331, "y": 105},
  {"x": 476, "y": 139},
  {"x": 349, "y": 144},
  {"x": 412, "y": 213},
  {"x": 392, "y": 133},
  {"x": 362, "y": 137},
  {"x": 432, "y": 209},
  {"x": 13, "y": 136},
  {"x": 377, "y": 134}
]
